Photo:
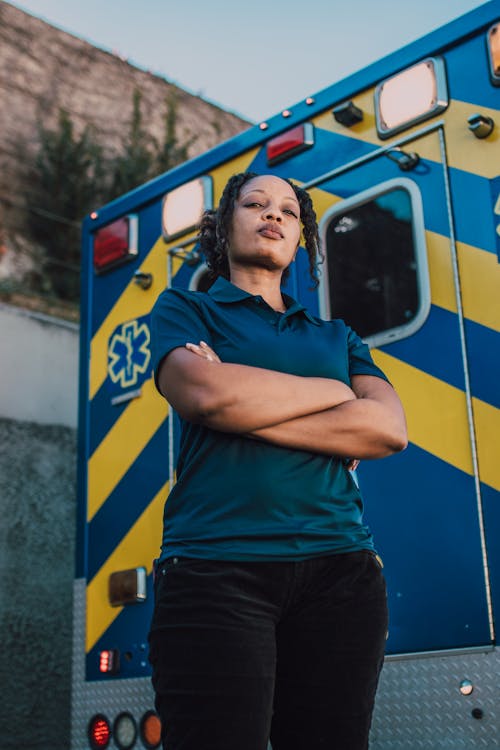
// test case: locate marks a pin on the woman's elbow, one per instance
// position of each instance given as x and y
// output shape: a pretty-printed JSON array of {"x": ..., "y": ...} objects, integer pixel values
[{"x": 397, "y": 439}]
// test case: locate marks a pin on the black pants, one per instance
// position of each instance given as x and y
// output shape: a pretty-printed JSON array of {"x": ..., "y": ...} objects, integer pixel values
[{"x": 244, "y": 652}]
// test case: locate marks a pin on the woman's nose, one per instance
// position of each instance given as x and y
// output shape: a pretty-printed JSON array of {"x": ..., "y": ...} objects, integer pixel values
[{"x": 273, "y": 214}]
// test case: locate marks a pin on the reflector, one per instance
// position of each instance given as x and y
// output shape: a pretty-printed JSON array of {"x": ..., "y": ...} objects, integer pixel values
[
  {"x": 410, "y": 97},
  {"x": 99, "y": 732},
  {"x": 150, "y": 730},
  {"x": 183, "y": 207},
  {"x": 290, "y": 143}
]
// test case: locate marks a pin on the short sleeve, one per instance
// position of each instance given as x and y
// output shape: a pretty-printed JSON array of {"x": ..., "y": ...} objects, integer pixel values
[
  {"x": 360, "y": 359},
  {"x": 176, "y": 319}
]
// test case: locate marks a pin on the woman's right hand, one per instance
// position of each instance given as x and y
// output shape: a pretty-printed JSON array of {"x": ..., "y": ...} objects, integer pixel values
[{"x": 203, "y": 350}]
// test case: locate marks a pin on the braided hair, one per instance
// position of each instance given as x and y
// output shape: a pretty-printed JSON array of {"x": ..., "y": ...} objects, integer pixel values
[{"x": 215, "y": 225}]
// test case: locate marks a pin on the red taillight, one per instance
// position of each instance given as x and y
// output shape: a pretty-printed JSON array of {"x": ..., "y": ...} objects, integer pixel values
[
  {"x": 99, "y": 732},
  {"x": 109, "y": 661},
  {"x": 290, "y": 143},
  {"x": 115, "y": 243},
  {"x": 150, "y": 730}
]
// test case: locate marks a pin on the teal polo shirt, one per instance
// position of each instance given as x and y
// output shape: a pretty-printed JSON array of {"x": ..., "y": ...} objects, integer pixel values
[{"x": 242, "y": 499}]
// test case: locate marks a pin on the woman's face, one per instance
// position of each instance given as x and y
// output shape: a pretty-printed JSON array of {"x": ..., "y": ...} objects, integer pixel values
[{"x": 265, "y": 227}]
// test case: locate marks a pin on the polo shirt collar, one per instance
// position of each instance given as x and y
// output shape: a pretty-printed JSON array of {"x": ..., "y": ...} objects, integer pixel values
[{"x": 223, "y": 291}]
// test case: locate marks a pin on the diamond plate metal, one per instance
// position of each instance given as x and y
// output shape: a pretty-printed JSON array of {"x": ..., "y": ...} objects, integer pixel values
[
  {"x": 108, "y": 698},
  {"x": 419, "y": 705}
]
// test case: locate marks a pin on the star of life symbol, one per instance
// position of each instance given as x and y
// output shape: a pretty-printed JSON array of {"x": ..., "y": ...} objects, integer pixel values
[{"x": 128, "y": 353}]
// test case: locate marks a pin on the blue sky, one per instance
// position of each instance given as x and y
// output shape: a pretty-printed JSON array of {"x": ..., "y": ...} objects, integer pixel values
[{"x": 253, "y": 57}]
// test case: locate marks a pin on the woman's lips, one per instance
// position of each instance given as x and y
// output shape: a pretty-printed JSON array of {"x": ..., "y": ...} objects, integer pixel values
[{"x": 271, "y": 232}]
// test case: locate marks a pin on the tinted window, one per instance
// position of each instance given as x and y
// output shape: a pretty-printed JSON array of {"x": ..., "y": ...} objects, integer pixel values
[{"x": 372, "y": 264}]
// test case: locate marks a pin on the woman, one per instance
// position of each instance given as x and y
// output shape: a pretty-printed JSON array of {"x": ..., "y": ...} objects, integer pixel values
[{"x": 270, "y": 617}]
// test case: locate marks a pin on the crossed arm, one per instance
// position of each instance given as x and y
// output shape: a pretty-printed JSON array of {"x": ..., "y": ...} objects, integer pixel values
[{"x": 306, "y": 413}]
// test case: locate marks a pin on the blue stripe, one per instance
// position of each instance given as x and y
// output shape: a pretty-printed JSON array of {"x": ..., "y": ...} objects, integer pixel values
[
  {"x": 468, "y": 73},
  {"x": 483, "y": 351},
  {"x": 102, "y": 416},
  {"x": 434, "y": 348},
  {"x": 129, "y": 499},
  {"x": 423, "y": 514},
  {"x": 127, "y": 633},
  {"x": 471, "y": 197},
  {"x": 491, "y": 512}
]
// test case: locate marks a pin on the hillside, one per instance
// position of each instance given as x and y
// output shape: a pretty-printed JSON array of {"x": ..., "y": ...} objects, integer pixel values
[{"x": 44, "y": 70}]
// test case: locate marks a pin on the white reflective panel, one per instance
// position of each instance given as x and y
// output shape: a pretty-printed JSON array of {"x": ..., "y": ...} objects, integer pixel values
[
  {"x": 184, "y": 206},
  {"x": 411, "y": 96}
]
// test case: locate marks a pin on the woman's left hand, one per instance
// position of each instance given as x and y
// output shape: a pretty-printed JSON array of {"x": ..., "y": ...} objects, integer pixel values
[{"x": 203, "y": 350}]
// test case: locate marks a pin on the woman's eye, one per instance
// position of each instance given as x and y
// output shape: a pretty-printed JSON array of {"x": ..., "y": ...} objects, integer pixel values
[
  {"x": 290, "y": 211},
  {"x": 252, "y": 204}
]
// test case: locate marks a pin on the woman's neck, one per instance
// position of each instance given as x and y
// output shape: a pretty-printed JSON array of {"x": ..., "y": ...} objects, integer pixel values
[{"x": 267, "y": 285}]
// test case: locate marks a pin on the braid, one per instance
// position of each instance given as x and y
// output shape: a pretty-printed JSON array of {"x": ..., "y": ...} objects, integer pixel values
[{"x": 213, "y": 236}]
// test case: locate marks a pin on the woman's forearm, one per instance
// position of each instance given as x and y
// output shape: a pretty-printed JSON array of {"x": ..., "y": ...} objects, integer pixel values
[
  {"x": 240, "y": 398},
  {"x": 364, "y": 428}
]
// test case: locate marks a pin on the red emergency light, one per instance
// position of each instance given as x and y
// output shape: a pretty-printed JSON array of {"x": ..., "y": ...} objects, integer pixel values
[
  {"x": 99, "y": 732},
  {"x": 115, "y": 243},
  {"x": 294, "y": 141},
  {"x": 109, "y": 661}
]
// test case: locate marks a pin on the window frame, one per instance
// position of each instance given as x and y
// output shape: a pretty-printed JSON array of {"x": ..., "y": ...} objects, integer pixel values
[{"x": 418, "y": 234}]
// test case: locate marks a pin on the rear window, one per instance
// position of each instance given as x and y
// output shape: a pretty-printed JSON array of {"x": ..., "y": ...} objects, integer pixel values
[{"x": 376, "y": 276}]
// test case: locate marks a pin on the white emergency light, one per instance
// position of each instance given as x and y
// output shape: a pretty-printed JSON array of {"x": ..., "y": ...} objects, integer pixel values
[
  {"x": 183, "y": 207},
  {"x": 411, "y": 96}
]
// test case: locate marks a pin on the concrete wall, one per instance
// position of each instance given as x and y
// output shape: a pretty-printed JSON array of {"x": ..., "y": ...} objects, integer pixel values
[
  {"x": 38, "y": 405},
  {"x": 38, "y": 367}
]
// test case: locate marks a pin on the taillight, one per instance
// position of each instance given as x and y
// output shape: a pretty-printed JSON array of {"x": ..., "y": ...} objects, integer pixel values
[
  {"x": 150, "y": 730},
  {"x": 99, "y": 732},
  {"x": 109, "y": 661},
  {"x": 115, "y": 243},
  {"x": 125, "y": 731}
]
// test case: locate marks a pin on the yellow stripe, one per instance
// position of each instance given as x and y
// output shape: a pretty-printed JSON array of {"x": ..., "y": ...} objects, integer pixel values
[
  {"x": 137, "y": 549},
  {"x": 487, "y": 424},
  {"x": 441, "y": 271},
  {"x": 123, "y": 444},
  {"x": 134, "y": 301},
  {"x": 436, "y": 412},
  {"x": 480, "y": 283},
  {"x": 465, "y": 151}
]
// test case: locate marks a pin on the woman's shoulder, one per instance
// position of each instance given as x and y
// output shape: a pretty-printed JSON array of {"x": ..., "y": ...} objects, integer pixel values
[{"x": 178, "y": 297}]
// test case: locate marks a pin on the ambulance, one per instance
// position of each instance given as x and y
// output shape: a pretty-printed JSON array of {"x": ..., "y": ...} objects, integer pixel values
[{"x": 402, "y": 161}]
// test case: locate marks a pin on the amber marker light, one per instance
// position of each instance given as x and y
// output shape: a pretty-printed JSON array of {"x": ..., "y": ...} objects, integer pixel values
[
  {"x": 494, "y": 53},
  {"x": 150, "y": 730}
]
